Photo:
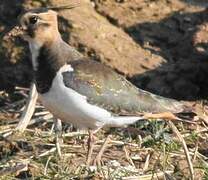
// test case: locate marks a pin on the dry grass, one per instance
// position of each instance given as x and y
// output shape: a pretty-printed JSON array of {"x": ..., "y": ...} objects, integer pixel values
[{"x": 146, "y": 150}]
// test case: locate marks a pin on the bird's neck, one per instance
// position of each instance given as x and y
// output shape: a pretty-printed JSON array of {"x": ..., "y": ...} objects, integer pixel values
[
  {"x": 35, "y": 50},
  {"x": 46, "y": 60},
  {"x": 56, "y": 52}
]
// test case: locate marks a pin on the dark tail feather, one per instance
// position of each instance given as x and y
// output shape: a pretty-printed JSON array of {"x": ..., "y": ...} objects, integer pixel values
[{"x": 187, "y": 113}]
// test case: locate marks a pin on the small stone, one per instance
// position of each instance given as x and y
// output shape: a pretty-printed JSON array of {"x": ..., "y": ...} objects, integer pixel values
[
  {"x": 114, "y": 163},
  {"x": 136, "y": 157},
  {"x": 93, "y": 168}
]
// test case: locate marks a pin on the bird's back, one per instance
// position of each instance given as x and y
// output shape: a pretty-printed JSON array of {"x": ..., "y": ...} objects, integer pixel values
[{"x": 106, "y": 88}]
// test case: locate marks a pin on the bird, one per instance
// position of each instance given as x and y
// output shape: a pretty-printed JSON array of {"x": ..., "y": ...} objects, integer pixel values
[{"x": 81, "y": 91}]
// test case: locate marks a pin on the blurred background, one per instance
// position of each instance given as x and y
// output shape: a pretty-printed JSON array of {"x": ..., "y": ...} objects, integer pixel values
[{"x": 159, "y": 45}]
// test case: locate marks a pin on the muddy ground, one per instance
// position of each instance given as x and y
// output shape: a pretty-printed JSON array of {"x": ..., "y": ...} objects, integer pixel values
[{"x": 161, "y": 45}]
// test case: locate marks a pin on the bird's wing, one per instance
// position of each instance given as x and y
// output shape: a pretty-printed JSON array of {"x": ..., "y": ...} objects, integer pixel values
[{"x": 107, "y": 89}]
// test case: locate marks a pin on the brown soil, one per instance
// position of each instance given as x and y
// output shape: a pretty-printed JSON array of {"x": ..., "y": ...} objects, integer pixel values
[
  {"x": 168, "y": 29},
  {"x": 161, "y": 46}
]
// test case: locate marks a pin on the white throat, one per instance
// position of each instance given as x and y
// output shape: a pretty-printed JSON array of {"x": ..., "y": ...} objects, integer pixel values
[{"x": 34, "y": 49}]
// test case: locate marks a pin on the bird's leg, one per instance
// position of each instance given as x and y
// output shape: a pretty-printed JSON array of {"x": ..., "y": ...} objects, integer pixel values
[
  {"x": 58, "y": 134},
  {"x": 97, "y": 160},
  {"x": 90, "y": 144}
]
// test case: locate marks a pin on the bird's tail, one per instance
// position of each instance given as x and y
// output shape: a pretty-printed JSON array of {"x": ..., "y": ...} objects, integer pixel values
[{"x": 149, "y": 102}]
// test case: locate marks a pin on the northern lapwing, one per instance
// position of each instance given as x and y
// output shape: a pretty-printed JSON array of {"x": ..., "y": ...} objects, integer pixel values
[{"x": 86, "y": 93}]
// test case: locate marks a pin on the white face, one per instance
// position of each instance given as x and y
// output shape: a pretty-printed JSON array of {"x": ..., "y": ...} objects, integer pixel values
[
  {"x": 29, "y": 23},
  {"x": 38, "y": 29}
]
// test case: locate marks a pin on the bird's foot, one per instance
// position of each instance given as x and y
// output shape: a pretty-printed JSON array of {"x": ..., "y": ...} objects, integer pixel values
[
  {"x": 59, "y": 142},
  {"x": 97, "y": 160},
  {"x": 58, "y": 138},
  {"x": 90, "y": 144}
]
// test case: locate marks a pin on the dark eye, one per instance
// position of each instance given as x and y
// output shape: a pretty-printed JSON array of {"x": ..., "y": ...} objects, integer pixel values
[{"x": 33, "y": 19}]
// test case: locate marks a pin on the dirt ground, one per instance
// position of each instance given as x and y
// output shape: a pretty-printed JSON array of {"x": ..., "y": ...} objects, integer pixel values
[{"x": 159, "y": 45}]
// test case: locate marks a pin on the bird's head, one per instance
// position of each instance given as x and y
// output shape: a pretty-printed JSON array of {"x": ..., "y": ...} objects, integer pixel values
[{"x": 39, "y": 26}]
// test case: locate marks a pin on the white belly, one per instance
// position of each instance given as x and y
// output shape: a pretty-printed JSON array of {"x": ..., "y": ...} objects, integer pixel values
[{"x": 72, "y": 107}]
